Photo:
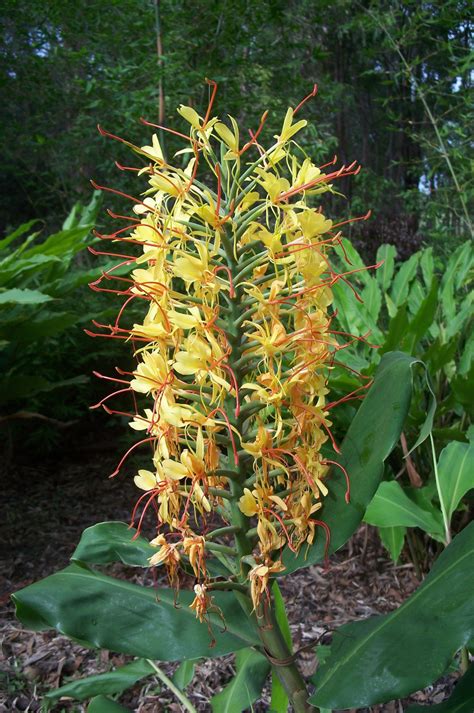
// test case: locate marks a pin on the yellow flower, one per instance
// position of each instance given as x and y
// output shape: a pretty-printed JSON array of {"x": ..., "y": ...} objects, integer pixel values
[
  {"x": 234, "y": 344},
  {"x": 248, "y": 504}
]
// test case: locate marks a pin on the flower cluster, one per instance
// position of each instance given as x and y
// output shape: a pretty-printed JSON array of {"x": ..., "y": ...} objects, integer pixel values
[{"x": 234, "y": 348}]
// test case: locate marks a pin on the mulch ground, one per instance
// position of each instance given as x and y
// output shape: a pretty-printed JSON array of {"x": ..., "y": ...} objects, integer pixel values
[{"x": 48, "y": 506}]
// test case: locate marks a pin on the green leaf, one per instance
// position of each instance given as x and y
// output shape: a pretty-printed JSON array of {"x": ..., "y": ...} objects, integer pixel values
[
  {"x": 370, "y": 439},
  {"x": 45, "y": 325},
  {"x": 391, "y": 507},
  {"x": 5, "y": 242},
  {"x": 392, "y": 655},
  {"x": 463, "y": 315},
  {"x": 23, "y": 297},
  {"x": 404, "y": 276},
  {"x": 387, "y": 253},
  {"x": 393, "y": 539},
  {"x": 102, "y": 612},
  {"x": 109, "y": 542},
  {"x": 456, "y": 473},
  {"x": 251, "y": 671},
  {"x": 459, "y": 263},
  {"x": 65, "y": 243},
  {"x": 103, "y": 683},
  {"x": 397, "y": 329},
  {"x": 372, "y": 298},
  {"x": 460, "y": 701},
  {"x": 279, "y": 699},
  {"x": 421, "y": 322},
  {"x": 355, "y": 260},
  {"x": 102, "y": 704},
  {"x": 184, "y": 674},
  {"x": 427, "y": 265},
  {"x": 20, "y": 387},
  {"x": 427, "y": 426}
]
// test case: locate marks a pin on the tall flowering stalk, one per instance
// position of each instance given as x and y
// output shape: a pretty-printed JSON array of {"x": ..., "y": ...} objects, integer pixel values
[{"x": 233, "y": 353}]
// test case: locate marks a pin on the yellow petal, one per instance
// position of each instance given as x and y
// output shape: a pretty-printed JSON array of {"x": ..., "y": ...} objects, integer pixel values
[
  {"x": 247, "y": 503},
  {"x": 145, "y": 480}
]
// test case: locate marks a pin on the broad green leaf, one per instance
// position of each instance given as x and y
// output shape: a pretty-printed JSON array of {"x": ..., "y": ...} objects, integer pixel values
[
  {"x": 19, "y": 387},
  {"x": 384, "y": 274},
  {"x": 463, "y": 315},
  {"x": 370, "y": 439},
  {"x": 44, "y": 325},
  {"x": 460, "y": 701},
  {"x": 356, "y": 261},
  {"x": 102, "y": 704},
  {"x": 18, "y": 272},
  {"x": 427, "y": 265},
  {"x": 184, "y": 674},
  {"x": 348, "y": 309},
  {"x": 456, "y": 473},
  {"x": 458, "y": 266},
  {"x": 458, "y": 262},
  {"x": 109, "y": 542},
  {"x": 23, "y": 297},
  {"x": 391, "y": 507},
  {"x": 393, "y": 539},
  {"x": 280, "y": 614},
  {"x": 421, "y": 322},
  {"x": 463, "y": 389},
  {"x": 103, "y": 683},
  {"x": 438, "y": 354},
  {"x": 397, "y": 329},
  {"x": 467, "y": 356},
  {"x": 251, "y": 671},
  {"x": 427, "y": 426},
  {"x": 392, "y": 655},
  {"x": 372, "y": 298},
  {"x": 416, "y": 295},
  {"x": 279, "y": 699},
  {"x": 65, "y": 243},
  {"x": 406, "y": 273},
  {"x": 102, "y": 612},
  {"x": 21, "y": 230}
]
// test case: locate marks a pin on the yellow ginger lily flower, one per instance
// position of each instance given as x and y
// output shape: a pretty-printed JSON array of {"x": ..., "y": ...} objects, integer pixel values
[{"x": 234, "y": 346}]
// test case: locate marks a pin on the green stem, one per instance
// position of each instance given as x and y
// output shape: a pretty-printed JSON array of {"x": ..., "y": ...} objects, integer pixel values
[
  {"x": 169, "y": 683},
  {"x": 288, "y": 673},
  {"x": 229, "y": 530},
  {"x": 224, "y": 549}
]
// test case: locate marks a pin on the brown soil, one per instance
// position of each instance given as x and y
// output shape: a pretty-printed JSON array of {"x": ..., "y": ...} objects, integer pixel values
[{"x": 48, "y": 506}]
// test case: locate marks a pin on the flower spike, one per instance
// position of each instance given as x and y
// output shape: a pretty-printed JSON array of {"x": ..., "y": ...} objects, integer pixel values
[{"x": 233, "y": 348}]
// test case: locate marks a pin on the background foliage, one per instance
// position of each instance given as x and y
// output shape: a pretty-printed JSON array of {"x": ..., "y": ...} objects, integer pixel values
[{"x": 394, "y": 82}]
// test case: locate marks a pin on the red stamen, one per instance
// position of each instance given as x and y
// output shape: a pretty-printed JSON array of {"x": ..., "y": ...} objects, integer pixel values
[
  {"x": 132, "y": 448},
  {"x": 229, "y": 273},
  {"x": 312, "y": 93},
  {"x": 163, "y": 128},
  {"x": 236, "y": 388},
  {"x": 324, "y": 525},
  {"x": 109, "y": 396},
  {"x": 346, "y": 476},
  {"x": 254, "y": 136},
  {"x": 212, "y": 84},
  {"x": 231, "y": 435}
]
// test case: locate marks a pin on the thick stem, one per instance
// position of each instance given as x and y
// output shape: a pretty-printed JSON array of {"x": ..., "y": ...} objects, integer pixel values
[{"x": 288, "y": 672}]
